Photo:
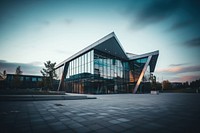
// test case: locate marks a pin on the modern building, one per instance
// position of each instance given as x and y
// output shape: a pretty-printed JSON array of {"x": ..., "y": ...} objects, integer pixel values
[{"x": 104, "y": 67}]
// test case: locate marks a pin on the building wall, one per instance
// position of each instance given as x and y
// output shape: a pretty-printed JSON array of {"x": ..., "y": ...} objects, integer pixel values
[{"x": 98, "y": 73}]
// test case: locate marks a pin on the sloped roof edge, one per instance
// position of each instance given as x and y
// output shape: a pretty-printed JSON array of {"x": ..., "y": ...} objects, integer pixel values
[
  {"x": 112, "y": 34},
  {"x": 144, "y": 55}
]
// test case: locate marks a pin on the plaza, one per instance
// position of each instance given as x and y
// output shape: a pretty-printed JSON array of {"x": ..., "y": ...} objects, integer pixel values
[{"x": 127, "y": 113}]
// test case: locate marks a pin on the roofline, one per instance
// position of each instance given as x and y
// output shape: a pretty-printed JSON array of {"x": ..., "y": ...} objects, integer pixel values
[
  {"x": 112, "y": 34},
  {"x": 144, "y": 55}
]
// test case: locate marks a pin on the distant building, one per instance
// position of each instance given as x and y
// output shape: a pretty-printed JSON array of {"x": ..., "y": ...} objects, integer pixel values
[
  {"x": 176, "y": 84},
  {"x": 20, "y": 81},
  {"x": 104, "y": 67}
]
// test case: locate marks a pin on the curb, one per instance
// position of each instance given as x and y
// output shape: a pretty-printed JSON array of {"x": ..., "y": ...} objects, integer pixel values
[{"x": 41, "y": 97}]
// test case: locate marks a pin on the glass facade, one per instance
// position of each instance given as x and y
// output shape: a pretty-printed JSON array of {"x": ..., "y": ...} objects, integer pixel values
[
  {"x": 136, "y": 67},
  {"x": 96, "y": 72},
  {"x": 80, "y": 73},
  {"x": 110, "y": 74}
]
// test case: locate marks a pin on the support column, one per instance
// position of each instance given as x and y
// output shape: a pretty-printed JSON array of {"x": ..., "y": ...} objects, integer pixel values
[
  {"x": 65, "y": 70},
  {"x": 142, "y": 74}
]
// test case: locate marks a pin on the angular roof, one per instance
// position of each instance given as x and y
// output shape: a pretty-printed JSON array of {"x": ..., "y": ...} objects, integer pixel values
[
  {"x": 153, "y": 61},
  {"x": 143, "y": 55},
  {"x": 111, "y": 45},
  {"x": 108, "y": 44}
]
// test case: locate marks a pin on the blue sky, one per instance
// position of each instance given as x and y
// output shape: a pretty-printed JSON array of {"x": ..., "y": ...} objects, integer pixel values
[{"x": 34, "y": 31}]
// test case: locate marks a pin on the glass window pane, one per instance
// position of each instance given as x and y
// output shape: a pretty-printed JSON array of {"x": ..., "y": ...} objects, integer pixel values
[
  {"x": 92, "y": 67},
  {"x": 92, "y": 55},
  {"x": 89, "y": 67},
  {"x": 34, "y": 79},
  {"x": 79, "y": 60},
  {"x": 39, "y": 79},
  {"x": 85, "y": 57},
  {"x": 82, "y": 60},
  {"x": 89, "y": 57}
]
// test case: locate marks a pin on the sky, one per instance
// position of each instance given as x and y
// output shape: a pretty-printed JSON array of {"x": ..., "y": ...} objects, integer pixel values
[{"x": 35, "y": 31}]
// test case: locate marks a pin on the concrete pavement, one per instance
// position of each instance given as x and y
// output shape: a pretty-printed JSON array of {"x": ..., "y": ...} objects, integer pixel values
[{"x": 127, "y": 113}]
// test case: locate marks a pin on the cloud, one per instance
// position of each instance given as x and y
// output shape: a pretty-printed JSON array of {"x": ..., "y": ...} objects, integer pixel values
[
  {"x": 195, "y": 42},
  {"x": 152, "y": 12},
  {"x": 180, "y": 25},
  {"x": 45, "y": 22},
  {"x": 187, "y": 16},
  {"x": 185, "y": 78},
  {"x": 180, "y": 72},
  {"x": 64, "y": 52},
  {"x": 36, "y": 63},
  {"x": 28, "y": 68},
  {"x": 68, "y": 21},
  {"x": 175, "y": 14},
  {"x": 2, "y": 61},
  {"x": 180, "y": 69},
  {"x": 182, "y": 64}
]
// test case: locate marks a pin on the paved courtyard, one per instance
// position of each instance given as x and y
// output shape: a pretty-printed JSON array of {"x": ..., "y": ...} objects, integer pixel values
[{"x": 127, "y": 113}]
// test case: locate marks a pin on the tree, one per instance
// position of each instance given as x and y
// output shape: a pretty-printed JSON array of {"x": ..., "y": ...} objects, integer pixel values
[
  {"x": 195, "y": 84},
  {"x": 17, "y": 81},
  {"x": 48, "y": 74},
  {"x": 186, "y": 84},
  {"x": 18, "y": 71},
  {"x": 4, "y": 73},
  {"x": 153, "y": 81},
  {"x": 158, "y": 86},
  {"x": 166, "y": 85}
]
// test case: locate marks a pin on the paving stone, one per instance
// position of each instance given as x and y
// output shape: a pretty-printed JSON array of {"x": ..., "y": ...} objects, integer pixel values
[
  {"x": 123, "y": 120},
  {"x": 126, "y": 125},
  {"x": 79, "y": 119},
  {"x": 115, "y": 121},
  {"x": 66, "y": 131},
  {"x": 67, "y": 113},
  {"x": 58, "y": 127},
  {"x": 95, "y": 126},
  {"x": 42, "y": 130},
  {"x": 103, "y": 114},
  {"x": 105, "y": 130},
  {"x": 75, "y": 125},
  {"x": 82, "y": 129},
  {"x": 99, "y": 117}
]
